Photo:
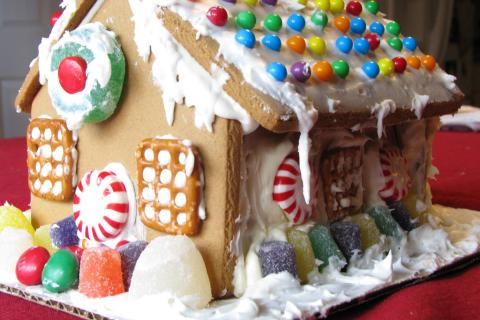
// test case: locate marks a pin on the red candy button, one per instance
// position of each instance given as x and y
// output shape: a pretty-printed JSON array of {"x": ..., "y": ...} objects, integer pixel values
[
  {"x": 77, "y": 251},
  {"x": 354, "y": 8},
  {"x": 54, "y": 18},
  {"x": 72, "y": 74},
  {"x": 400, "y": 64},
  {"x": 30, "y": 266},
  {"x": 373, "y": 39},
  {"x": 218, "y": 16}
]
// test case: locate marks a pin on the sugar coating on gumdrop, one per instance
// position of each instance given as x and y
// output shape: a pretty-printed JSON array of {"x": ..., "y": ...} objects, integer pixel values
[
  {"x": 130, "y": 254},
  {"x": 172, "y": 264},
  {"x": 13, "y": 217},
  {"x": 347, "y": 237},
  {"x": 385, "y": 222},
  {"x": 101, "y": 273},
  {"x": 42, "y": 238},
  {"x": 402, "y": 216},
  {"x": 323, "y": 245},
  {"x": 304, "y": 256},
  {"x": 369, "y": 234},
  {"x": 64, "y": 233},
  {"x": 276, "y": 257},
  {"x": 13, "y": 243}
]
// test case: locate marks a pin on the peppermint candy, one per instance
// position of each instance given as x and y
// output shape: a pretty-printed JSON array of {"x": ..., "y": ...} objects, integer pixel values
[{"x": 394, "y": 169}]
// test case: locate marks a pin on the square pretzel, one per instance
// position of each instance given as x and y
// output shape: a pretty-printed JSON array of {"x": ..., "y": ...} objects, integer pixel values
[
  {"x": 51, "y": 159},
  {"x": 169, "y": 180}
]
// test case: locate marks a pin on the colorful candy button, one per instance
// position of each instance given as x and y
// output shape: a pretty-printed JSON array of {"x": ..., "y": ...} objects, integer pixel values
[
  {"x": 322, "y": 4},
  {"x": 246, "y": 19},
  {"x": 342, "y": 23},
  {"x": 395, "y": 43},
  {"x": 414, "y": 62},
  {"x": 354, "y": 8},
  {"x": 230, "y": 1},
  {"x": 269, "y": 2},
  {"x": 277, "y": 71},
  {"x": 378, "y": 28},
  {"x": 410, "y": 43},
  {"x": 317, "y": 45},
  {"x": 358, "y": 26},
  {"x": 217, "y": 16},
  {"x": 320, "y": 18},
  {"x": 361, "y": 45},
  {"x": 341, "y": 68},
  {"x": 272, "y": 42},
  {"x": 322, "y": 70},
  {"x": 250, "y": 2},
  {"x": 296, "y": 22},
  {"x": 372, "y": 6},
  {"x": 72, "y": 74},
  {"x": 400, "y": 64},
  {"x": 297, "y": 44},
  {"x": 54, "y": 18},
  {"x": 300, "y": 71},
  {"x": 246, "y": 38},
  {"x": 428, "y": 62},
  {"x": 337, "y": 6},
  {"x": 272, "y": 22},
  {"x": 386, "y": 66},
  {"x": 371, "y": 69},
  {"x": 344, "y": 44},
  {"x": 393, "y": 28},
  {"x": 374, "y": 40},
  {"x": 303, "y": 2}
]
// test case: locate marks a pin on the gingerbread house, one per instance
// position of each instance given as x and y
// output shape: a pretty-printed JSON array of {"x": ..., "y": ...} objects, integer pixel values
[{"x": 232, "y": 120}]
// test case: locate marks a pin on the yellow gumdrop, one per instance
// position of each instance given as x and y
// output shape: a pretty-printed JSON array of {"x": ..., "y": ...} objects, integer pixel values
[
  {"x": 11, "y": 216},
  {"x": 369, "y": 234},
  {"x": 304, "y": 257},
  {"x": 42, "y": 238},
  {"x": 410, "y": 202},
  {"x": 322, "y": 4}
]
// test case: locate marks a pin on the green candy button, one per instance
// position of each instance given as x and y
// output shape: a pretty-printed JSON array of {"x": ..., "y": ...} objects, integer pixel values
[
  {"x": 372, "y": 6},
  {"x": 395, "y": 43},
  {"x": 246, "y": 19},
  {"x": 341, "y": 68},
  {"x": 272, "y": 22},
  {"x": 393, "y": 28},
  {"x": 60, "y": 272},
  {"x": 320, "y": 18}
]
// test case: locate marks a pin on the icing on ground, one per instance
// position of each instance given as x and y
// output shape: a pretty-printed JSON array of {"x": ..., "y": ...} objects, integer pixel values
[{"x": 450, "y": 235}]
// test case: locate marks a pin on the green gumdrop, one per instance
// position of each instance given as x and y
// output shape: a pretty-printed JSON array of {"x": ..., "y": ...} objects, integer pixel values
[
  {"x": 61, "y": 272},
  {"x": 396, "y": 43},
  {"x": 341, "y": 68},
  {"x": 384, "y": 221},
  {"x": 13, "y": 217},
  {"x": 304, "y": 256},
  {"x": 372, "y": 6},
  {"x": 393, "y": 28},
  {"x": 42, "y": 238},
  {"x": 323, "y": 245},
  {"x": 369, "y": 234},
  {"x": 273, "y": 22},
  {"x": 320, "y": 18},
  {"x": 246, "y": 19}
]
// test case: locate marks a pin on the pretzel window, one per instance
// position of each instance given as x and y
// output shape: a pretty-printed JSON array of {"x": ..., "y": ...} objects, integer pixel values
[
  {"x": 50, "y": 159},
  {"x": 169, "y": 186}
]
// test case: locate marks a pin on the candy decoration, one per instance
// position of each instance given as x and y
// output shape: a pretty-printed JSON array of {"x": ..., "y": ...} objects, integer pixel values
[
  {"x": 341, "y": 68},
  {"x": 372, "y": 6},
  {"x": 77, "y": 251},
  {"x": 337, "y": 6},
  {"x": 369, "y": 234},
  {"x": 344, "y": 44},
  {"x": 322, "y": 70},
  {"x": 13, "y": 217},
  {"x": 230, "y": 1},
  {"x": 374, "y": 40},
  {"x": 297, "y": 44},
  {"x": 277, "y": 71},
  {"x": 246, "y": 19},
  {"x": 361, "y": 45},
  {"x": 414, "y": 62},
  {"x": 347, "y": 237},
  {"x": 303, "y": 2},
  {"x": 269, "y": 2},
  {"x": 393, "y": 28},
  {"x": 64, "y": 233},
  {"x": 428, "y": 62},
  {"x": 272, "y": 22},
  {"x": 386, "y": 66},
  {"x": 320, "y": 18},
  {"x": 322, "y": 4},
  {"x": 300, "y": 71},
  {"x": 371, "y": 69},
  {"x": 54, "y": 18},
  {"x": 378, "y": 28},
  {"x": 323, "y": 245},
  {"x": 60, "y": 272},
  {"x": 13, "y": 243},
  {"x": 30, "y": 266},
  {"x": 72, "y": 74},
  {"x": 342, "y": 23},
  {"x": 394, "y": 169},
  {"x": 402, "y": 216},
  {"x": 296, "y": 22},
  {"x": 358, "y": 26},
  {"x": 217, "y": 16},
  {"x": 100, "y": 206},
  {"x": 354, "y": 8},
  {"x": 272, "y": 42},
  {"x": 288, "y": 190},
  {"x": 410, "y": 43},
  {"x": 304, "y": 257},
  {"x": 130, "y": 254},
  {"x": 246, "y": 38},
  {"x": 400, "y": 64},
  {"x": 276, "y": 257},
  {"x": 386, "y": 224},
  {"x": 317, "y": 45},
  {"x": 42, "y": 238},
  {"x": 250, "y": 2},
  {"x": 395, "y": 43}
]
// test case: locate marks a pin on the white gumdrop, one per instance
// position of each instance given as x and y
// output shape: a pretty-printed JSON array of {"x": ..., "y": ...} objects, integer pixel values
[
  {"x": 172, "y": 264},
  {"x": 13, "y": 242}
]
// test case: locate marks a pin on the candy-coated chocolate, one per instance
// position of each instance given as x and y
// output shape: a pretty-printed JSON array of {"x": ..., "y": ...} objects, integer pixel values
[
  {"x": 297, "y": 44},
  {"x": 374, "y": 40},
  {"x": 358, "y": 25},
  {"x": 277, "y": 71},
  {"x": 30, "y": 266},
  {"x": 414, "y": 62},
  {"x": 386, "y": 66},
  {"x": 371, "y": 69},
  {"x": 230, "y": 1},
  {"x": 341, "y": 68},
  {"x": 77, "y": 251},
  {"x": 272, "y": 42},
  {"x": 393, "y": 28},
  {"x": 60, "y": 272},
  {"x": 322, "y": 70},
  {"x": 342, "y": 23},
  {"x": 296, "y": 22},
  {"x": 395, "y": 43},
  {"x": 272, "y": 22},
  {"x": 300, "y": 71},
  {"x": 344, "y": 44},
  {"x": 377, "y": 28},
  {"x": 246, "y": 38},
  {"x": 250, "y": 2},
  {"x": 410, "y": 43},
  {"x": 322, "y": 4},
  {"x": 303, "y": 2},
  {"x": 246, "y": 19},
  {"x": 270, "y": 2},
  {"x": 320, "y": 18},
  {"x": 54, "y": 18},
  {"x": 400, "y": 64},
  {"x": 72, "y": 74},
  {"x": 372, "y": 6},
  {"x": 354, "y": 8},
  {"x": 317, "y": 45},
  {"x": 361, "y": 45},
  {"x": 217, "y": 16},
  {"x": 428, "y": 62},
  {"x": 337, "y": 6}
]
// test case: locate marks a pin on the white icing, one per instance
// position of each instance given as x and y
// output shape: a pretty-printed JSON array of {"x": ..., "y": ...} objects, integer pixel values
[
  {"x": 180, "y": 200},
  {"x": 58, "y": 153},
  {"x": 92, "y": 12},
  {"x": 166, "y": 176},
  {"x": 46, "y": 186},
  {"x": 45, "y": 151},
  {"x": 38, "y": 167},
  {"x": 164, "y": 157},
  {"x": 164, "y": 196},
  {"x": 148, "y": 174},
  {"x": 181, "y": 158},
  {"x": 381, "y": 110},
  {"x": 148, "y": 194},
  {"x": 47, "y": 134},
  {"x": 189, "y": 163},
  {"x": 165, "y": 216},
  {"x": 35, "y": 133},
  {"x": 148, "y": 154},
  {"x": 57, "y": 188},
  {"x": 467, "y": 118},
  {"x": 181, "y": 218},
  {"x": 180, "y": 179},
  {"x": 149, "y": 212},
  {"x": 46, "y": 169},
  {"x": 37, "y": 184}
]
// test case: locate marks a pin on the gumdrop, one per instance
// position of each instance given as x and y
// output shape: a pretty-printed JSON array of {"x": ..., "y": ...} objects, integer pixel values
[
  {"x": 323, "y": 245},
  {"x": 13, "y": 243},
  {"x": 402, "y": 216},
  {"x": 30, "y": 266},
  {"x": 347, "y": 237},
  {"x": 64, "y": 233},
  {"x": 130, "y": 253},
  {"x": 60, "y": 272},
  {"x": 13, "y": 217},
  {"x": 369, "y": 234},
  {"x": 276, "y": 257},
  {"x": 172, "y": 264},
  {"x": 419, "y": 213},
  {"x": 304, "y": 257},
  {"x": 42, "y": 238},
  {"x": 384, "y": 221},
  {"x": 101, "y": 273}
]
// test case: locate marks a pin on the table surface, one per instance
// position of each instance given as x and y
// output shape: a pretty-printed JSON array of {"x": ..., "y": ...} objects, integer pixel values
[{"x": 455, "y": 296}]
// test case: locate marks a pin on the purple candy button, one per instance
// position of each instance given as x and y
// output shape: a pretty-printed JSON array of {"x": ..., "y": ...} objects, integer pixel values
[
  {"x": 301, "y": 71},
  {"x": 270, "y": 2}
]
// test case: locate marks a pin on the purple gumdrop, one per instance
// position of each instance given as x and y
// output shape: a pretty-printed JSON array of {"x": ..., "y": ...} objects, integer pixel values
[
  {"x": 129, "y": 254},
  {"x": 276, "y": 257},
  {"x": 270, "y": 2},
  {"x": 347, "y": 237},
  {"x": 301, "y": 71},
  {"x": 402, "y": 216},
  {"x": 64, "y": 233}
]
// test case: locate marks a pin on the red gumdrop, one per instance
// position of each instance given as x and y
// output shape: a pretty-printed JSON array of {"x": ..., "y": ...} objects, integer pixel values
[
  {"x": 354, "y": 8},
  {"x": 77, "y": 251},
  {"x": 218, "y": 16},
  {"x": 30, "y": 266},
  {"x": 373, "y": 39},
  {"x": 400, "y": 64},
  {"x": 72, "y": 74},
  {"x": 54, "y": 18}
]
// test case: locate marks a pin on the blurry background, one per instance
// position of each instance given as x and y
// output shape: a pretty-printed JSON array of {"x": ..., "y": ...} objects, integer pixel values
[{"x": 447, "y": 29}]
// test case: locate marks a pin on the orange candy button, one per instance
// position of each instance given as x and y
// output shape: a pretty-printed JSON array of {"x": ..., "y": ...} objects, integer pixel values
[
  {"x": 428, "y": 62},
  {"x": 297, "y": 44},
  {"x": 413, "y": 62},
  {"x": 322, "y": 70},
  {"x": 342, "y": 23}
]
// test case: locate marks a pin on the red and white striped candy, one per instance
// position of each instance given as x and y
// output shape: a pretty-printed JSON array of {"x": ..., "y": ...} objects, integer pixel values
[
  {"x": 288, "y": 190},
  {"x": 394, "y": 169},
  {"x": 100, "y": 206}
]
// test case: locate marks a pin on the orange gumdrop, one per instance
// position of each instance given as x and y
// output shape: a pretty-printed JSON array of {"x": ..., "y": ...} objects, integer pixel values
[
  {"x": 297, "y": 44},
  {"x": 428, "y": 62},
  {"x": 413, "y": 62},
  {"x": 342, "y": 23},
  {"x": 322, "y": 70}
]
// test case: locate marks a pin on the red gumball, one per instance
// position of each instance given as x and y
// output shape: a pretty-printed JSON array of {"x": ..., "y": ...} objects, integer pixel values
[
  {"x": 354, "y": 8},
  {"x": 30, "y": 266},
  {"x": 218, "y": 16},
  {"x": 77, "y": 251},
  {"x": 54, "y": 18},
  {"x": 400, "y": 64},
  {"x": 72, "y": 74},
  {"x": 373, "y": 39}
]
